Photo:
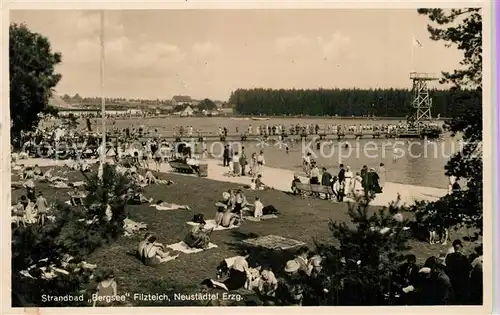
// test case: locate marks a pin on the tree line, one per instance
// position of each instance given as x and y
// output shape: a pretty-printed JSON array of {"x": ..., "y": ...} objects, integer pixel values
[{"x": 342, "y": 102}]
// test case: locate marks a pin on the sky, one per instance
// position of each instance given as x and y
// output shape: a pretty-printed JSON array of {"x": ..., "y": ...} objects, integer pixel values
[{"x": 210, "y": 53}]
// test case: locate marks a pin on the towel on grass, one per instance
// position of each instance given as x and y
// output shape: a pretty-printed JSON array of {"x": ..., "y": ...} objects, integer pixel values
[
  {"x": 78, "y": 184},
  {"x": 211, "y": 224},
  {"x": 131, "y": 226},
  {"x": 60, "y": 185},
  {"x": 171, "y": 207},
  {"x": 182, "y": 247},
  {"x": 264, "y": 217}
]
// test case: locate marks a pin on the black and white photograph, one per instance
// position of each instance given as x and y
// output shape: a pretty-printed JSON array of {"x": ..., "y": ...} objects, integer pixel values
[{"x": 249, "y": 157}]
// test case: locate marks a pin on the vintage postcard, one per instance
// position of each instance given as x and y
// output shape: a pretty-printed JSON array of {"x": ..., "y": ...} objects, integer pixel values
[{"x": 253, "y": 155}]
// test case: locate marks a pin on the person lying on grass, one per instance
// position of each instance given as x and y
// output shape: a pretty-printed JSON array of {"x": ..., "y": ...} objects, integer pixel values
[
  {"x": 171, "y": 206},
  {"x": 150, "y": 179},
  {"x": 152, "y": 253},
  {"x": 47, "y": 177},
  {"x": 199, "y": 237},
  {"x": 137, "y": 198}
]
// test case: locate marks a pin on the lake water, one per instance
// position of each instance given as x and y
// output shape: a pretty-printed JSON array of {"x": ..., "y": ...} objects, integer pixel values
[{"x": 416, "y": 162}]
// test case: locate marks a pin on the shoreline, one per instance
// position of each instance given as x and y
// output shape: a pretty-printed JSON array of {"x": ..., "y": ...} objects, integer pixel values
[{"x": 280, "y": 179}]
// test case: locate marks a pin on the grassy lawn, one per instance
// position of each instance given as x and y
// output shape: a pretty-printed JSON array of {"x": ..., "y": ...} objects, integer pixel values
[{"x": 300, "y": 219}]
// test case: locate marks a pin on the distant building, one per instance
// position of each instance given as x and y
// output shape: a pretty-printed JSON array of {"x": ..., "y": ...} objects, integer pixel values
[
  {"x": 210, "y": 112},
  {"x": 188, "y": 111},
  {"x": 135, "y": 112},
  {"x": 182, "y": 100},
  {"x": 226, "y": 111}
]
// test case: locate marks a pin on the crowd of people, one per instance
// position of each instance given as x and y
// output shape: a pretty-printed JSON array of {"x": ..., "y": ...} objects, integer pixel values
[
  {"x": 346, "y": 183},
  {"x": 316, "y": 129},
  {"x": 451, "y": 278}
]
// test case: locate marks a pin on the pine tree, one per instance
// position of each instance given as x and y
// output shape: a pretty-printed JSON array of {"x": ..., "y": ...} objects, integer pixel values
[
  {"x": 462, "y": 28},
  {"x": 370, "y": 250},
  {"x": 76, "y": 231}
]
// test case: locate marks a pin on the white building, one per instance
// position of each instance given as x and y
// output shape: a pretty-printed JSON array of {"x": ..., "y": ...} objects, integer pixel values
[{"x": 188, "y": 111}]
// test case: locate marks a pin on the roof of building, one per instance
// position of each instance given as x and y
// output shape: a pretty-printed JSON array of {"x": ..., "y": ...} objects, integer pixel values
[
  {"x": 58, "y": 102},
  {"x": 182, "y": 98}
]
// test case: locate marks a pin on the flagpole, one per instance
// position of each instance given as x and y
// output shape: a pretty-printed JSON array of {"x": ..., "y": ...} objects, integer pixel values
[
  {"x": 103, "y": 101},
  {"x": 413, "y": 54}
]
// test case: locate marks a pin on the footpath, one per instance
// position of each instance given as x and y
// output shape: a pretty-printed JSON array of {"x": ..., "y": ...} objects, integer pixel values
[{"x": 280, "y": 179}]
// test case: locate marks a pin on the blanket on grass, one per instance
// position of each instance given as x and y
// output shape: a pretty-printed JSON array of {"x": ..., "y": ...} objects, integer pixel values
[{"x": 182, "y": 247}]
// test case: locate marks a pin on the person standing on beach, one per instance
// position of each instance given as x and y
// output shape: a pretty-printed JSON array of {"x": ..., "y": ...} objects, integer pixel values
[
  {"x": 306, "y": 163},
  {"x": 314, "y": 179},
  {"x": 451, "y": 181},
  {"x": 348, "y": 180},
  {"x": 341, "y": 175},
  {"x": 236, "y": 164},
  {"x": 225, "y": 156},
  {"x": 260, "y": 162},
  {"x": 243, "y": 161},
  {"x": 364, "y": 173},
  {"x": 381, "y": 173}
]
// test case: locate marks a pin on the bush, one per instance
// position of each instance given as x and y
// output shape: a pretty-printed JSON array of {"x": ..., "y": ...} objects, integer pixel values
[
  {"x": 370, "y": 250},
  {"x": 76, "y": 231}
]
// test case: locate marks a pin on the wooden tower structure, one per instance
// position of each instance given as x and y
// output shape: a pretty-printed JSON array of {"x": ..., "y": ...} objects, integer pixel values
[{"x": 421, "y": 101}]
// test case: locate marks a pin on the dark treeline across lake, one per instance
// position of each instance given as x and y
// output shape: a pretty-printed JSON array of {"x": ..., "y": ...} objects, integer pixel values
[{"x": 344, "y": 102}]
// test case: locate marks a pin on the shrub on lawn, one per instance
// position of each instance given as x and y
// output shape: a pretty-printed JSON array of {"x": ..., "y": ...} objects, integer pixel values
[
  {"x": 448, "y": 212},
  {"x": 361, "y": 268},
  {"x": 76, "y": 231}
]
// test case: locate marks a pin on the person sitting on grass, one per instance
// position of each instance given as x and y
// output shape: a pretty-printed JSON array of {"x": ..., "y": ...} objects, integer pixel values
[
  {"x": 85, "y": 167},
  {"x": 295, "y": 181},
  {"x": 30, "y": 189},
  {"x": 137, "y": 198},
  {"x": 302, "y": 259},
  {"x": 198, "y": 237},
  {"x": 75, "y": 196},
  {"x": 152, "y": 254},
  {"x": 18, "y": 211},
  {"x": 106, "y": 289},
  {"x": 228, "y": 219},
  {"x": 268, "y": 284},
  {"x": 37, "y": 171},
  {"x": 259, "y": 184},
  {"x": 239, "y": 273},
  {"x": 221, "y": 207},
  {"x": 142, "y": 244},
  {"x": 240, "y": 201},
  {"x": 28, "y": 173},
  {"x": 150, "y": 178}
]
